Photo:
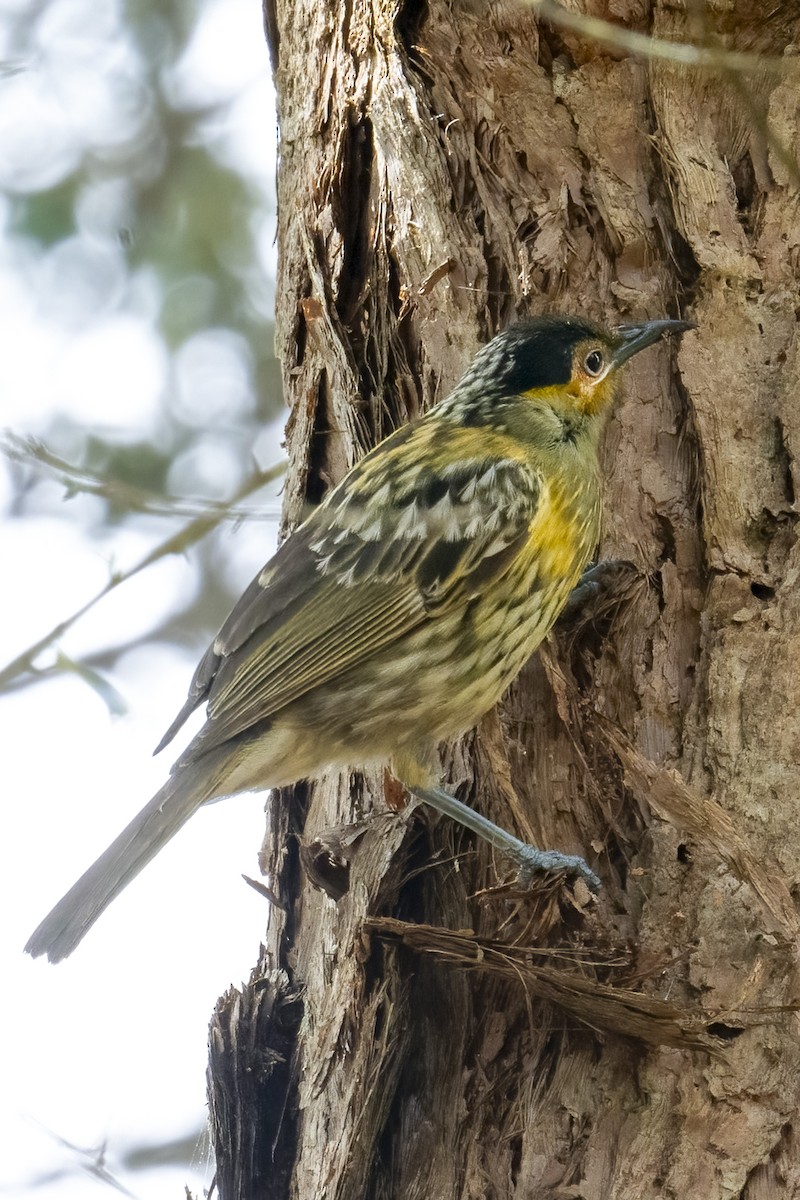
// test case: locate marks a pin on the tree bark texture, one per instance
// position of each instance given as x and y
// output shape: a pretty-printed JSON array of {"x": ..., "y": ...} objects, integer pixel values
[{"x": 413, "y": 1029}]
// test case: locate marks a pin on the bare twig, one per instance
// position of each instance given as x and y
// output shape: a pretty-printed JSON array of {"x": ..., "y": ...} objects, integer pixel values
[
  {"x": 644, "y": 46},
  {"x": 76, "y": 479},
  {"x": 176, "y": 543}
]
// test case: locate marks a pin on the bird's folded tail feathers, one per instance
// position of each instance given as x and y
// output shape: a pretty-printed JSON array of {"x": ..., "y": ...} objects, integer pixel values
[{"x": 171, "y": 807}]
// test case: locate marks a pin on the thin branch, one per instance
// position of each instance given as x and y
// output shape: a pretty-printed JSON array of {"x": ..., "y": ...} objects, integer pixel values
[
  {"x": 177, "y": 543},
  {"x": 644, "y": 46},
  {"x": 91, "y": 1161},
  {"x": 75, "y": 479}
]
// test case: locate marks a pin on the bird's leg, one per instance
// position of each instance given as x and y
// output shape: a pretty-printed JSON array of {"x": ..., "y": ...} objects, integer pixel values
[
  {"x": 528, "y": 859},
  {"x": 601, "y": 584}
]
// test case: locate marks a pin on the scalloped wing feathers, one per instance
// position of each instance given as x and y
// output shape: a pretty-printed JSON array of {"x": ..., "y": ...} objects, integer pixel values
[{"x": 387, "y": 550}]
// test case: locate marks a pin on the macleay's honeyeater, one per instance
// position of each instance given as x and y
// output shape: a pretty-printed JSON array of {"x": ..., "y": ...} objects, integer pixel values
[{"x": 398, "y": 613}]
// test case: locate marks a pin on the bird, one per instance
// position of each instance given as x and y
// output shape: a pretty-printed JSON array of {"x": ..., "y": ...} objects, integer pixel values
[{"x": 400, "y": 610}]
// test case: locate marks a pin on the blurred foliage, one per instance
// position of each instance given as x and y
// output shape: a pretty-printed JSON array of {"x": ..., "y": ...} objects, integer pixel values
[{"x": 130, "y": 198}]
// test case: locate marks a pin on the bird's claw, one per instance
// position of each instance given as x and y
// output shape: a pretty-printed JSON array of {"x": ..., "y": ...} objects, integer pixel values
[
  {"x": 533, "y": 862},
  {"x": 600, "y": 582}
]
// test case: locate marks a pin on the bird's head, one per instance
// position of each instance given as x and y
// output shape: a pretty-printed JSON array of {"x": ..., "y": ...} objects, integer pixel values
[{"x": 569, "y": 364}]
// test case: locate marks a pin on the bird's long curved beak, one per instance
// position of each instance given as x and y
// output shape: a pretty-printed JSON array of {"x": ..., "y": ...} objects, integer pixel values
[{"x": 633, "y": 338}]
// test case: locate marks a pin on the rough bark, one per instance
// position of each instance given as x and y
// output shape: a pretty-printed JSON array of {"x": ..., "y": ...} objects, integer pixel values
[{"x": 445, "y": 168}]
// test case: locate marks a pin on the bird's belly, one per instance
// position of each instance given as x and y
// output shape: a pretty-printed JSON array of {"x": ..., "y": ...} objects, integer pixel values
[
  {"x": 439, "y": 679},
  {"x": 492, "y": 646}
]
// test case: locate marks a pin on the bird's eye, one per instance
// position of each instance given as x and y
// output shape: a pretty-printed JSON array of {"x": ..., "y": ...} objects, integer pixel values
[{"x": 594, "y": 362}]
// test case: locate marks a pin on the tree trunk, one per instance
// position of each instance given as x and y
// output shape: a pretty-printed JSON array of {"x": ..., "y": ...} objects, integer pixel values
[{"x": 444, "y": 169}]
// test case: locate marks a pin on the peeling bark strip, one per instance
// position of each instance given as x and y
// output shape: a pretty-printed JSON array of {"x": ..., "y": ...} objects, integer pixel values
[
  {"x": 702, "y": 818},
  {"x": 599, "y": 1006},
  {"x": 445, "y": 168},
  {"x": 252, "y": 1092}
]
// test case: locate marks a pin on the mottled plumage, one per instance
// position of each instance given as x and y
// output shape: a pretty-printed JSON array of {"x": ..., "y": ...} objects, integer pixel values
[{"x": 402, "y": 608}]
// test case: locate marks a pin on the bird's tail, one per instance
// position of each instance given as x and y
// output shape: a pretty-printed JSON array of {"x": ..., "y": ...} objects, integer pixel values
[{"x": 71, "y": 919}]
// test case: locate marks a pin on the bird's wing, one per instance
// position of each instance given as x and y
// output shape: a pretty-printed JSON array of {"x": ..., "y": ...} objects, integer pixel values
[{"x": 431, "y": 517}]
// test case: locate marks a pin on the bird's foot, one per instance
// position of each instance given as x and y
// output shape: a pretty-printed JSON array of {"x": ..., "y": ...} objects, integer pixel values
[
  {"x": 532, "y": 862},
  {"x": 602, "y": 585}
]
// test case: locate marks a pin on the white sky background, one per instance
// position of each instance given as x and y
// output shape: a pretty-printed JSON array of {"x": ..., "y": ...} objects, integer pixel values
[{"x": 110, "y": 1046}]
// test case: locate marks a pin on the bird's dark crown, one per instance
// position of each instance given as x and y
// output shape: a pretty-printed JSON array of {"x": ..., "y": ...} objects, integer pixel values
[{"x": 535, "y": 353}]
